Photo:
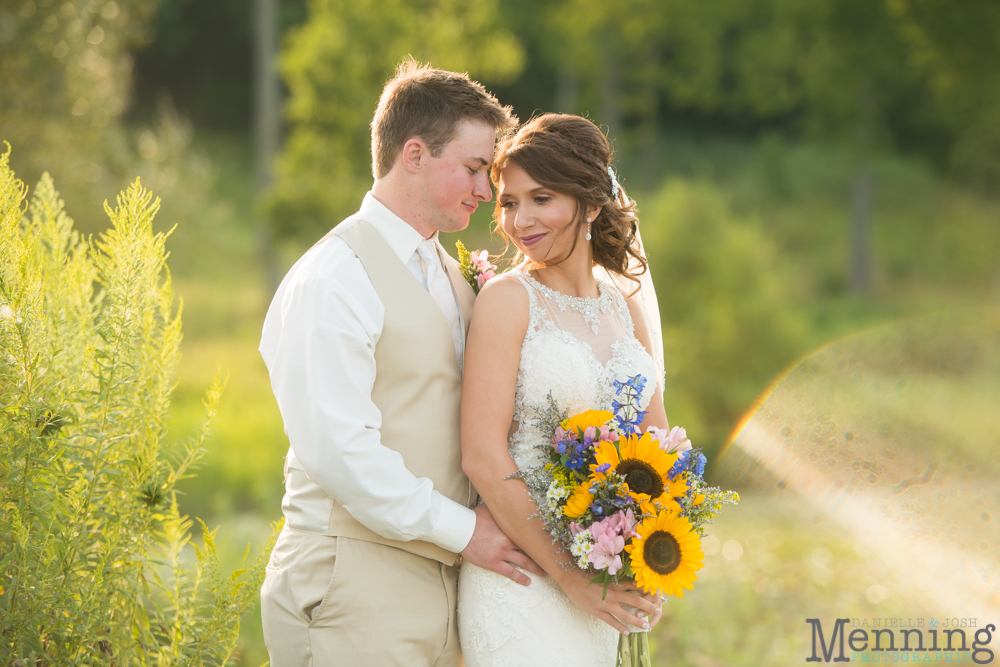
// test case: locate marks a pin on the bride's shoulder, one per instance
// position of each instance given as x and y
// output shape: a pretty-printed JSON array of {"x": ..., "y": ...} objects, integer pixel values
[
  {"x": 505, "y": 296},
  {"x": 504, "y": 289}
]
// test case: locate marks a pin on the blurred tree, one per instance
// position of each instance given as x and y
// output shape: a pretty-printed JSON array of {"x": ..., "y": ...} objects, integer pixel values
[
  {"x": 66, "y": 72},
  {"x": 335, "y": 66},
  {"x": 730, "y": 321},
  {"x": 200, "y": 55},
  {"x": 608, "y": 59},
  {"x": 837, "y": 64},
  {"x": 267, "y": 119},
  {"x": 959, "y": 49},
  {"x": 900, "y": 73},
  {"x": 840, "y": 66}
]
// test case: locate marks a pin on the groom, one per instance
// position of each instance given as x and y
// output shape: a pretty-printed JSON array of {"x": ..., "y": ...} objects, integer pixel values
[{"x": 364, "y": 343}]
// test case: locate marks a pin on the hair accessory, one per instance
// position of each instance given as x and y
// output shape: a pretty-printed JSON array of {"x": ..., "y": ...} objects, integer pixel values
[{"x": 614, "y": 183}]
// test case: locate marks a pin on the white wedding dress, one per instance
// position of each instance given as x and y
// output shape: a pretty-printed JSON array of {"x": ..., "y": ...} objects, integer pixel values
[{"x": 575, "y": 348}]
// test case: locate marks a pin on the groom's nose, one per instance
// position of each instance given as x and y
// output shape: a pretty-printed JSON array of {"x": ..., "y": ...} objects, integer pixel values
[{"x": 482, "y": 191}]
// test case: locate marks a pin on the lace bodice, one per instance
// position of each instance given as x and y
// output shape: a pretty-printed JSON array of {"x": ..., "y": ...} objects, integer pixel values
[{"x": 574, "y": 348}]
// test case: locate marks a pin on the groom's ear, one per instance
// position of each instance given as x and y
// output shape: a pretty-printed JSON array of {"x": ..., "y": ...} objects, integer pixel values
[{"x": 414, "y": 155}]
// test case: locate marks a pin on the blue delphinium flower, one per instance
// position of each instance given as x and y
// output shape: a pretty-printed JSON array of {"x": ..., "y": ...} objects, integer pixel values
[
  {"x": 637, "y": 382},
  {"x": 700, "y": 465},
  {"x": 628, "y": 416},
  {"x": 679, "y": 465}
]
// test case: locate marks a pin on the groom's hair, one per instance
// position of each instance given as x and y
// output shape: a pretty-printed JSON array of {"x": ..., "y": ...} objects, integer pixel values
[{"x": 429, "y": 103}]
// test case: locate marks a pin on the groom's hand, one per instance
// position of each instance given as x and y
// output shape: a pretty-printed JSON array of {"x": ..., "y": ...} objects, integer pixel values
[{"x": 491, "y": 550}]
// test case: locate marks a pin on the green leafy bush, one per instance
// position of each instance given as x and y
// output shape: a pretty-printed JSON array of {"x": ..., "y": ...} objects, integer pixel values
[{"x": 93, "y": 568}]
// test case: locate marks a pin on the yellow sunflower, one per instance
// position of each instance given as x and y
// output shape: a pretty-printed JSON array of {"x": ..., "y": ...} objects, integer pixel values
[
  {"x": 595, "y": 418},
  {"x": 645, "y": 468},
  {"x": 579, "y": 501},
  {"x": 665, "y": 555}
]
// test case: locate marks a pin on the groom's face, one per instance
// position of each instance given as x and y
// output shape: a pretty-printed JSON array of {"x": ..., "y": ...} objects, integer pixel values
[{"x": 457, "y": 180}]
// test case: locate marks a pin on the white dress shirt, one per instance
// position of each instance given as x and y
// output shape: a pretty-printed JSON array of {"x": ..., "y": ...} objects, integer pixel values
[{"x": 318, "y": 344}]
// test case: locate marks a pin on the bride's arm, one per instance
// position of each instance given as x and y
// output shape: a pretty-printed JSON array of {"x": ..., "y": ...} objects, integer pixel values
[{"x": 492, "y": 354}]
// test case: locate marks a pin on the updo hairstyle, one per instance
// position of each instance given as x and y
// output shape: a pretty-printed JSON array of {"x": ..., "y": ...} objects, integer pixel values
[{"x": 570, "y": 155}]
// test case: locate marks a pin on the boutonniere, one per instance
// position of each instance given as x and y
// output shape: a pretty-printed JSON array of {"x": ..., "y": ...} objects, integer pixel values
[{"x": 476, "y": 267}]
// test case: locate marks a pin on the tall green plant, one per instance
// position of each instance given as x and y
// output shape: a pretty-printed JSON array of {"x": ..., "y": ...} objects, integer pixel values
[{"x": 92, "y": 569}]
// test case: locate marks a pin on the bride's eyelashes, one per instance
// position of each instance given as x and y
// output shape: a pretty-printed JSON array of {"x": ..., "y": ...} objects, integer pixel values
[{"x": 539, "y": 199}]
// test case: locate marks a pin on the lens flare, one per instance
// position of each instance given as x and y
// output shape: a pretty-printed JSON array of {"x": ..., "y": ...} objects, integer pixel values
[{"x": 894, "y": 434}]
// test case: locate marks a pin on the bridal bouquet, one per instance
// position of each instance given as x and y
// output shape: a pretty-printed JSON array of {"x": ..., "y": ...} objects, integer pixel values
[{"x": 626, "y": 505}]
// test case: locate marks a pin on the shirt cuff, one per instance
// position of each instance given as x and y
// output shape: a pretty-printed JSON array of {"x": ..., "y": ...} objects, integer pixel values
[{"x": 454, "y": 528}]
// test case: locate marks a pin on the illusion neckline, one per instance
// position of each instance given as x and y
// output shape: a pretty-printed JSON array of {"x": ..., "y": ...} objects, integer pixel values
[{"x": 585, "y": 301}]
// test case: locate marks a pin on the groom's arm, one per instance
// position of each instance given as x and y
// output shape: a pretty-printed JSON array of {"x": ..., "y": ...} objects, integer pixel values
[{"x": 321, "y": 359}]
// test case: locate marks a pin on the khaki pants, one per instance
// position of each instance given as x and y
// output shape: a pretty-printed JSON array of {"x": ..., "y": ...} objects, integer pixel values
[{"x": 337, "y": 601}]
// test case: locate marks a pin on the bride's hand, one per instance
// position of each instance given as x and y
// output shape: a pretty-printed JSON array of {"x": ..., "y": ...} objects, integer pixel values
[
  {"x": 655, "y": 599},
  {"x": 612, "y": 609}
]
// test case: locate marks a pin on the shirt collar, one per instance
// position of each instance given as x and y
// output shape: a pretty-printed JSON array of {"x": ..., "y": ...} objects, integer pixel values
[{"x": 401, "y": 237}]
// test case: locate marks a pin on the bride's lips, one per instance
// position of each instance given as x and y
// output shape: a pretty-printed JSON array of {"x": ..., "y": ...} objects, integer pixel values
[{"x": 531, "y": 240}]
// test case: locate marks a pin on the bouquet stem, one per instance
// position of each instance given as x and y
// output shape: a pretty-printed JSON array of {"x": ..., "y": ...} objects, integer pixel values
[{"x": 633, "y": 650}]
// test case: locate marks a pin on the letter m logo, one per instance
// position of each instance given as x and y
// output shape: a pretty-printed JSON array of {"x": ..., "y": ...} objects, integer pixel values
[{"x": 838, "y": 631}]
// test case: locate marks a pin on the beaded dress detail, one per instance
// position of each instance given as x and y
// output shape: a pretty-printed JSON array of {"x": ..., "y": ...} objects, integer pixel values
[{"x": 575, "y": 347}]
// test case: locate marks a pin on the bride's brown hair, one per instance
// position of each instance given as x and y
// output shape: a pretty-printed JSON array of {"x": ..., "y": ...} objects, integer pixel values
[{"x": 570, "y": 155}]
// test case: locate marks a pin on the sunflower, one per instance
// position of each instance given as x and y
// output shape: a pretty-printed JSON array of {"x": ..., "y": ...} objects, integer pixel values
[
  {"x": 645, "y": 468},
  {"x": 579, "y": 501},
  {"x": 595, "y": 418},
  {"x": 666, "y": 554}
]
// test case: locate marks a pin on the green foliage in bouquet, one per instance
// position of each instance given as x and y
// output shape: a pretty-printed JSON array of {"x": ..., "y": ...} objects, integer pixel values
[{"x": 93, "y": 568}]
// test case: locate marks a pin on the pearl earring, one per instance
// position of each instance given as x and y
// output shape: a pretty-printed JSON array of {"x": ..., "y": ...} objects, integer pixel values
[{"x": 588, "y": 228}]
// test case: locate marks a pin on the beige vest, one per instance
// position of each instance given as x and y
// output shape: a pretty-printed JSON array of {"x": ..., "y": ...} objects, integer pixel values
[{"x": 418, "y": 385}]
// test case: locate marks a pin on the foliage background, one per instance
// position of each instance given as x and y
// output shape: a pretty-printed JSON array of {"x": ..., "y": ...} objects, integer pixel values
[{"x": 765, "y": 141}]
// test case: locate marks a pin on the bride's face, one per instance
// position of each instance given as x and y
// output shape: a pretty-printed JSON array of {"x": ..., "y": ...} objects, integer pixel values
[{"x": 539, "y": 221}]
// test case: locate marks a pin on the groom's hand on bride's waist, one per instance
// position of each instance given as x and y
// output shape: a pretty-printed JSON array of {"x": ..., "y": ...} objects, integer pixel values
[{"x": 491, "y": 550}]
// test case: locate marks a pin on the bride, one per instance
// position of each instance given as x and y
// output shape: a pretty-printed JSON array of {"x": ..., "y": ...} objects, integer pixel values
[{"x": 548, "y": 326}]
